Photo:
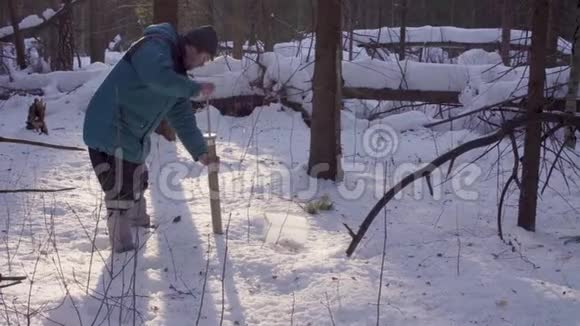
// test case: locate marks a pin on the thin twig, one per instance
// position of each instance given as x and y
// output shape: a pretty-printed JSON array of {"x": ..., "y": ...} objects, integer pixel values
[
  {"x": 14, "y": 191},
  {"x": 204, "y": 280},
  {"x": 384, "y": 254},
  {"x": 328, "y": 308},
  {"x": 224, "y": 270},
  {"x": 35, "y": 143},
  {"x": 293, "y": 308}
]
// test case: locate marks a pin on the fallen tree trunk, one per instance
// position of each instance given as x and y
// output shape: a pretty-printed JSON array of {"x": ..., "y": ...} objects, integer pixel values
[
  {"x": 405, "y": 95},
  {"x": 243, "y": 105},
  {"x": 35, "y": 143},
  {"x": 15, "y": 191},
  {"x": 6, "y": 92},
  {"x": 447, "y": 45}
]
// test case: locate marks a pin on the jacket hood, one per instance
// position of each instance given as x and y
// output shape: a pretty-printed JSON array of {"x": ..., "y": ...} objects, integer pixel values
[{"x": 164, "y": 28}]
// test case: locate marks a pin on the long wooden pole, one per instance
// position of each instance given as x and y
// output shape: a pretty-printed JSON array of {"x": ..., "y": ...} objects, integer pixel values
[{"x": 214, "y": 187}]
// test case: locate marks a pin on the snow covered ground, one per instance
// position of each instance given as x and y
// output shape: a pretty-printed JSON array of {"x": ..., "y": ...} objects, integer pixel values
[{"x": 444, "y": 263}]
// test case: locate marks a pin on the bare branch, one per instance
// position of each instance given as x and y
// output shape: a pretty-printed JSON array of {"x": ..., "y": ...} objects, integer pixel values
[
  {"x": 34, "y": 190},
  {"x": 35, "y": 143}
]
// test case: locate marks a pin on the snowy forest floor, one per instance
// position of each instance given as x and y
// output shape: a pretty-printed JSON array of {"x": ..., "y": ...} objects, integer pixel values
[{"x": 444, "y": 263}]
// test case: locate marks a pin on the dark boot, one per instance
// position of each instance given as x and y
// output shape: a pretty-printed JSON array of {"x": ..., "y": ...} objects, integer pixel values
[
  {"x": 138, "y": 214},
  {"x": 120, "y": 236}
]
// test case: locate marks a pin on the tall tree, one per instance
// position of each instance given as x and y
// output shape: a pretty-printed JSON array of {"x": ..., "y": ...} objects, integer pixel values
[
  {"x": 352, "y": 22},
  {"x": 507, "y": 21},
  {"x": 18, "y": 39},
  {"x": 452, "y": 12},
  {"x": 64, "y": 57},
  {"x": 253, "y": 9},
  {"x": 553, "y": 32},
  {"x": 426, "y": 13},
  {"x": 165, "y": 11},
  {"x": 403, "y": 37},
  {"x": 266, "y": 24},
  {"x": 325, "y": 148},
  {"x": 574, "y": 81},
  {"x": 532, "y": 144},
  {"x": 238, "y": 27},
  {"x": 96, "y": 39}
]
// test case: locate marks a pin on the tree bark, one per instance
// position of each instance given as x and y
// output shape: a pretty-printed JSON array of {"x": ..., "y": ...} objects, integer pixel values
[
  {"x": 18, "y": 39},
  {"x": 507, "y": 21},
  {"x": 426, "y": 13},
  {"x": 238, "y": 28},
  {"x": 325, "y": 146},
  {"x": 553, "y": 32},
  {"x": 353, "y": 12},
  {"x": 403, "y": 7},
  {"x": 165, "y": 11},
  {"x": 573, "y": 83},
  {"x": 253, "y": 11},
  {"x": 452, "y": 12},
  {"x": 532, "y": 145},
  {"x": 266, "y": 25},
  {"x": 64, "y": 58},
  {"x": 96, "y": 40}
]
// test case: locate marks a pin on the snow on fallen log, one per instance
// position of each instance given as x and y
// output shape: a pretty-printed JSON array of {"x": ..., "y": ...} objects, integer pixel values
[
  {"x": 411, "y": 75},
  {"x": 275, "y": 76},
  {"x": 30, "y": 25},
  {"x": 446, "y": 36},
  {"x": 55, "y": 82},
  {"x": 287, "y": 76},
  {"x": 28, "y": 22},
  {"x": 268, "y": 74},
  {"x": 513, "y": 86}
]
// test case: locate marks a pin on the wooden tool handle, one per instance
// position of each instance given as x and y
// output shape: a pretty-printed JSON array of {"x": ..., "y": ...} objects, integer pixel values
[{"x": 214, "y": 188}]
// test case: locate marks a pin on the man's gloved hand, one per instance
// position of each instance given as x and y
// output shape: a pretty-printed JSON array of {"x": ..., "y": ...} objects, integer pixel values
[
  {"x": 207, "y": 89},
  {"x": 205, "y": 160}
]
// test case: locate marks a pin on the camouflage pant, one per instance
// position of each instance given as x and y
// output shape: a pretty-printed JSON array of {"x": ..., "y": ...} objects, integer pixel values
[{"x": 123, "y": 182}]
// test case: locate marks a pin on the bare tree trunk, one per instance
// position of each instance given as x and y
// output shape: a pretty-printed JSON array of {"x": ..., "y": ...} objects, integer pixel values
[
  {"x": 507, "y": 21},
  {"x": 64, "y": 59},
  {"x": 238, "y": 30},
  {"x": 452, "y": 12},
  {"x": 266, "y": 12},
  {"x": 165, "y": 11},
  {"x": 96, "y": 40},
  {"x": 353, "y": 6},
  {"x": 18, "y": 40},
  {"x": 393, "y": 12},
  {"x": 403, "y": 7},
  {"x": 325, "y": 148},
  {"x": 367, "y": 17},
  {"x": 553, "y": 32},
  {"x": 573, "y": 83},
  {"x": 253, "y": 11},
  {"x": 532, "y": 146},
  {"x": 426, "y": 13}
]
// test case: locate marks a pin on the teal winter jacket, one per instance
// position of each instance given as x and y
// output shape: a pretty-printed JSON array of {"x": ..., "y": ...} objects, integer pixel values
[{"x": 139, "y": 93}]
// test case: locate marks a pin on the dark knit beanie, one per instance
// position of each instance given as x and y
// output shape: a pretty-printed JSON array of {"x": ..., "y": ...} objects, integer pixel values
[{"x": 203, "y": 38}]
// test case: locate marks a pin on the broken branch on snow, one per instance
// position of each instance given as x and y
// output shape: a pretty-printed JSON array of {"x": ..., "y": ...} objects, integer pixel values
[{"x": 506, "y": 129}]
